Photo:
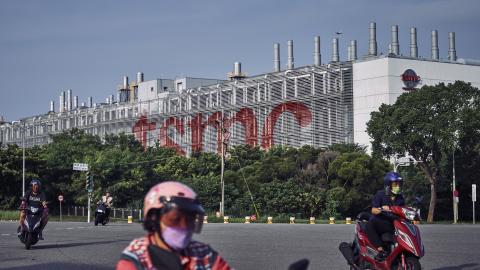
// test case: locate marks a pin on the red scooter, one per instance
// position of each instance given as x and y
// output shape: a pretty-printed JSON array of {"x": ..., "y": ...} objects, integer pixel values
[{"x": 405, "y": 248}]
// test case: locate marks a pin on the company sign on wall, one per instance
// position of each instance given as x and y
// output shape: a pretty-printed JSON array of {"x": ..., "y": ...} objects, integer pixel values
[{"x": 410, "y": 79}]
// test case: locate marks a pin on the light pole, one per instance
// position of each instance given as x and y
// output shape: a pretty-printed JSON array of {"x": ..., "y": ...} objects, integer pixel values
[
  {"x": 22, "y": 129},
  {"x": 224, "y": 140}
]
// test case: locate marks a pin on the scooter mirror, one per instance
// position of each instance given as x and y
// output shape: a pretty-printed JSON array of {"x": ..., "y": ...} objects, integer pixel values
[{"x": 299, "y": 265}]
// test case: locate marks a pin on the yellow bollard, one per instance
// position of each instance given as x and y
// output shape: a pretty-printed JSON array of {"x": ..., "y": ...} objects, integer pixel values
[
  {"x": 292, "y": 220},
  {"x": 129, "y": 219},
  {"x": 348, "y": 220},
  {"x": 312, "y": 220},
  {"x": 269, "y": 220},
  {"x": 205, "y": 219},
  {"x": 247, "y": 220},
  {"x": 332, "y": 220},
  {"x": 225, "y": 219}
]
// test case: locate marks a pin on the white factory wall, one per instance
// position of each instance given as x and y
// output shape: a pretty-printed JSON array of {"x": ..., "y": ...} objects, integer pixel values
[{"x": 379, "y": 81}]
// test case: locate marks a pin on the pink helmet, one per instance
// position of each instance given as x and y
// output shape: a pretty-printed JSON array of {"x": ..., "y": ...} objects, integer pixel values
[{"x": 173, "y": 194}]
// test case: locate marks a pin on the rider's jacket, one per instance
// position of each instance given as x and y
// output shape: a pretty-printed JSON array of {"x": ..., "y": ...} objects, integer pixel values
[
  {"x": 35, "y": 200},
  {"x": 196, "y": 256},
  {"x": 381, "y": 199}
]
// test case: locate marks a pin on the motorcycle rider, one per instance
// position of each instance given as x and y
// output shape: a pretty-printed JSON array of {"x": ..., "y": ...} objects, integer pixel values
[
  {"x": 172, "y": 214},
  {"x": 108, "y": 200},
  {"x": 35, "y": 198},
  {"x": 378, "y": 224}
]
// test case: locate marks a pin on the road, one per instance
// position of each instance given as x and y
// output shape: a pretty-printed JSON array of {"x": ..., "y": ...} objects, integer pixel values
[{"x": 75, "y": 245}]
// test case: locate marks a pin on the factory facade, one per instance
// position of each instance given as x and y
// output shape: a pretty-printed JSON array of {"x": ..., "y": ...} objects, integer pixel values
[{"x": 318, "y": 105}]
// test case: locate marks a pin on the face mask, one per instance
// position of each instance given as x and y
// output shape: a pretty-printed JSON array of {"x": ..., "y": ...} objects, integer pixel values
[
  {"x": 177, "y": 238},
  {"x": 396, "y": 190}
]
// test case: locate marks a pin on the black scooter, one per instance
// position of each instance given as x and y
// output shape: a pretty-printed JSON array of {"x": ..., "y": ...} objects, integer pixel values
[
  {"x": 29, "y": 230},
  {"x": 101, "y": 214}
]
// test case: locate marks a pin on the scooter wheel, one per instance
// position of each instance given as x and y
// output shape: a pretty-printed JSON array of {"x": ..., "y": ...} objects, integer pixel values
[
  {"x": 412, "y": 263},
  {"x": 28, "y": 240}
]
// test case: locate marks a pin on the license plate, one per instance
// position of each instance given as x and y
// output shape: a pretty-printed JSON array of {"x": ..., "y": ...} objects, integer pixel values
[
  {"x": 33, "y": 209},
  {"x": 101, "y": 211}
]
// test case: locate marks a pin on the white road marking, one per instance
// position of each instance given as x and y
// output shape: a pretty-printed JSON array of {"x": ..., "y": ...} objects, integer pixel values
[
  {"x": 5, "y": 234},
  {"x": 70, "y": 228}
]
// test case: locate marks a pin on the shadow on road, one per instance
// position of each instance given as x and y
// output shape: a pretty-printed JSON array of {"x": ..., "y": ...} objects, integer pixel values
[
  {"x": 66, "y": 245},
  {"x": 460, "y": 267},
  {"x": 70, "y": 266}
]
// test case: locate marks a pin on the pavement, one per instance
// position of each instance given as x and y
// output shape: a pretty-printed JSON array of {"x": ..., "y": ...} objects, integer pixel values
[{"x": 76, "y": 245}]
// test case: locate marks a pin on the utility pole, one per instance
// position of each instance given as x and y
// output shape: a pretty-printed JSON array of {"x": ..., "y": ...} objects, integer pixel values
[
  {"x": 224, "y": 139},
  {"x": 454, "y": 192},
  {"x": 23, "y": 160}
]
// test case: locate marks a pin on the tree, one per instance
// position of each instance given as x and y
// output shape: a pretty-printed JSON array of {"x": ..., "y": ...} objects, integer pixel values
[{"x": 425, "y": 124}]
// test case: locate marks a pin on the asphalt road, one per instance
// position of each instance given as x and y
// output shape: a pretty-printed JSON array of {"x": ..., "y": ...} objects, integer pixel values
[{"x": 74, "y": 245}]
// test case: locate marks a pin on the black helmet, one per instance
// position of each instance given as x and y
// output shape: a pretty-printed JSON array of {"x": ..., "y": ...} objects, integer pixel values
[{"x": 36, "y": 182}]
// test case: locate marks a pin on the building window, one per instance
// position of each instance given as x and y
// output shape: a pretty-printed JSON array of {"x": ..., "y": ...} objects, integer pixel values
[{"x": 151, "y": 89}]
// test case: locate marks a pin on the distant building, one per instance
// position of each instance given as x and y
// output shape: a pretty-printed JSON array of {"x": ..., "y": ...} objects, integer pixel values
[{"x": 317, "y": 105}]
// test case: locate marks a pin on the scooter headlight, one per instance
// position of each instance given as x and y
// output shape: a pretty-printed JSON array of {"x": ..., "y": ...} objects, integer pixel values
[{"x": 409, "y": 214}]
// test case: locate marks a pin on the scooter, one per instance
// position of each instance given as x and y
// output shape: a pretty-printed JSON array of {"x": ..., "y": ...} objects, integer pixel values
[
  {"x": 101, "y": 214},
  {"x": 405, "y": 248},
  {"x": 29, "y": 230}
]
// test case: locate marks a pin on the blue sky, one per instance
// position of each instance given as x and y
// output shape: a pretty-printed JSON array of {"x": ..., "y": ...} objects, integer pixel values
[{"x": 50, "y": 46}]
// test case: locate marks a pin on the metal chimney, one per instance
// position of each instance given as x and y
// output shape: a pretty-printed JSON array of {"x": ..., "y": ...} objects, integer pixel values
[
  {"x": 107, "y": 100},
  {"x": 395, "y": 44},
  {"x": 139, "y": 78},
  {"x": 335, "y": 57},
  {"x": 349, "y": 53},
  {"x": 373, "y": 39},
  {"x": 413, "y": 42},
  {"x": 290, "y": 61},
  {"x": 276, "y": 57},
  {"x": 353, "y": 49},
  {"x": 90, "y": 102},
  {"x": 69, "y": 100},
  {"x": 317, "y": 56},
  {"x": 83, "y": 105},
  {"x": 435, "y": 54},
  {"x": 237, "y": 69},
  {"x": 75, "y": 102},
  {"x": 61, "y": 106},
  {"x": 52, "y": 106},
  {"x": 112, "y": 99},
  {"x": 125, "y": 82},
  {"x": 119, "y": 97},
  {"x": 452, "y": 53}
]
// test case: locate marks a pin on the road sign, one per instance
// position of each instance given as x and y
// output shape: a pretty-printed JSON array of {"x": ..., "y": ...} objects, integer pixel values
[
  {"x": 60, "y": 198},
  {"x": 80, "y": 166},
  {"x": 474, "y": 193}
]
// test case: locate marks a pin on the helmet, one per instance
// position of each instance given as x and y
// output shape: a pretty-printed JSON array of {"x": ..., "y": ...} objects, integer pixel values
[
  {"x": 171, "y": 195},
  {"x": 36, "y": 182},
  {"x": 388, "y": 179}
]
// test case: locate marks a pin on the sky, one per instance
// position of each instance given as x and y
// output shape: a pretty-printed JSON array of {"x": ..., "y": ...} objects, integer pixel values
[{"x": 88, "y": 46}]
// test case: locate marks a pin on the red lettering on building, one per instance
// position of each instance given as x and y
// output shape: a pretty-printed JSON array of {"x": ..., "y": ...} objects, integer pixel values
[
  {"x": 300, "y": 111},
  {"x": 247, "y": 118},
  {"x": 166, "y": 141},
  {"x": 141, "y": 128}
]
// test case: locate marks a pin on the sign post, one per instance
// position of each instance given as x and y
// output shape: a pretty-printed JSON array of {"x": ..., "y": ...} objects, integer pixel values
[
  {"x": 474, "y": 199},
  {"x": 60, "y": 199},
  {"x": 89, "y": 183}
]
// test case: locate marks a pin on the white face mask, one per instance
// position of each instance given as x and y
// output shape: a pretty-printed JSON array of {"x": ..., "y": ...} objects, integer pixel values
[{"x": 177, "y": 238}]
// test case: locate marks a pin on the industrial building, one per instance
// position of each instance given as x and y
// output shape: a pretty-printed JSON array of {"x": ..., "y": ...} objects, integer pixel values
[{"x": 317, "y": 105}]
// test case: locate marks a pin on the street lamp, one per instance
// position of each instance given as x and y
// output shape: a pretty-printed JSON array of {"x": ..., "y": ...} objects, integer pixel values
[{"x": 224, "y": 140}]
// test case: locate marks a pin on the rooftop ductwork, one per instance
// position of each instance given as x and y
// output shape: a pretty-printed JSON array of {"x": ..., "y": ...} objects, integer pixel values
[
  {"x": 452, "y": 53},
  {"x": 276, "y": 57},
  {"x": 290, "y": 60},
  {"x": 372, "y": 48},
  {"x": 413, "y": 43},
  {"x": 395, "y": 46},
  {"x": 435, "y": 54},
  {"x": 335, "y": 54},
  {"x": 237, "y": 73},
  {"x": 317, "y": 56}
]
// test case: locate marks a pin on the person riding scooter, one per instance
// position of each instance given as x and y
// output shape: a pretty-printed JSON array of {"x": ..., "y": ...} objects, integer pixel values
[
  {"x": 108, "y": 201},
  {"x": 378, "y": 224},
  {"x": 172, "y": 214},
  {"x": 36, "y": 198}
]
